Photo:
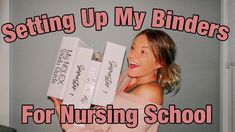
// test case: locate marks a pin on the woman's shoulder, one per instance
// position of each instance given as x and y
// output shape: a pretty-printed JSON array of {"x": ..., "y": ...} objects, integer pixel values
[{"x": 153, "y": 92}]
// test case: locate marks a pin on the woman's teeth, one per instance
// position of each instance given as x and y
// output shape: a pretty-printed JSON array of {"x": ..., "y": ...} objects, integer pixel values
[{"x": 133, "y": 64}]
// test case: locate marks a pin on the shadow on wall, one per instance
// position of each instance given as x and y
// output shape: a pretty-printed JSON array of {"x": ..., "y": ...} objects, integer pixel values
[{"x": 6, "y": 129}]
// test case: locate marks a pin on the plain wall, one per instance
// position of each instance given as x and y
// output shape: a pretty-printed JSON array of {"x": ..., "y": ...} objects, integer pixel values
[
  {"x": 231, "y": 60},
  {"x": 4, "y": 67},
  {"x": 227, "y": 69},
  {"x": 231, "y": 21},
  {"x": 33, "y": 58},
  {"x": 224, "y": 85}
]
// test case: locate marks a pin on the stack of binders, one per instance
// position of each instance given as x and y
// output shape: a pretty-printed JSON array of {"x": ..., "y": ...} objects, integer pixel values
[{"x": 80, "y": 81}]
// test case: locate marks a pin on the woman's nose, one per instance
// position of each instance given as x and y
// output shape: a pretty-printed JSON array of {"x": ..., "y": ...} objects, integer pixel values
[{"x": 131, "y": 54}]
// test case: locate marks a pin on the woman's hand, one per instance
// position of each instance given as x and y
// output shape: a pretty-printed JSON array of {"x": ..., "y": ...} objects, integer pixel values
[{"x": 57, "y": 103}]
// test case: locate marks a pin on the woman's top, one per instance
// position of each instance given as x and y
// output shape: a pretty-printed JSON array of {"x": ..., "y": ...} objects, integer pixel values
[{"x": 126, "y": 101}]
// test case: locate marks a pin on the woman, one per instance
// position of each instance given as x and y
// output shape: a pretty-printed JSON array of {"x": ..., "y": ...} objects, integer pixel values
[{"x": 151, "y": 71}]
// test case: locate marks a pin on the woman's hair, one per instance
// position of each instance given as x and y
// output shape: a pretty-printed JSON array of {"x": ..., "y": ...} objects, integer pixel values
[{"x": 164, "y": 50}]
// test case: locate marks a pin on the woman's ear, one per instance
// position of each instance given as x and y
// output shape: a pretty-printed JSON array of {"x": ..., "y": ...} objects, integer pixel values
[{"x": 158, "y": 65}]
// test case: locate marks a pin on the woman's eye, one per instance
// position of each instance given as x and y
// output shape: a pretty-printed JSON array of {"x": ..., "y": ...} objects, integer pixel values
[
  {"x": 143, "y": 52},
  {"x": 132, "y": 47}
]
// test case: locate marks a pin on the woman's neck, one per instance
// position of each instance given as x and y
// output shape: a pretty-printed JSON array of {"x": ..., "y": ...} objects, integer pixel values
[{"x": 144, "y": 79}]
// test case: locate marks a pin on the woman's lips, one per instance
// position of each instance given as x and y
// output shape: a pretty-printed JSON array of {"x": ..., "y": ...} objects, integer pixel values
[{"x": 133, "y": 65}]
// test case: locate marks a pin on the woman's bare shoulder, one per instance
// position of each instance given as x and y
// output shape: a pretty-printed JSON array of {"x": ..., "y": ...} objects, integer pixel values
[{"x": 152, "y": 92}]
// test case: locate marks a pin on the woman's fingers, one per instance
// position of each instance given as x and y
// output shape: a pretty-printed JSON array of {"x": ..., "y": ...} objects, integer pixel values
[
  {"x": 57, "y": 104},
  {"x": 56, "y": 101}
]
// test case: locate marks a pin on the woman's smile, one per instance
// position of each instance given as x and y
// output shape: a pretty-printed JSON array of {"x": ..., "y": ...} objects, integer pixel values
[{"x": 133, "y": 65}]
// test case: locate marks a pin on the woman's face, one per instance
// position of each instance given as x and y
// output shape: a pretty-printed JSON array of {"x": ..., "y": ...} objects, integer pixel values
[{"x": 141, "y": 60}]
